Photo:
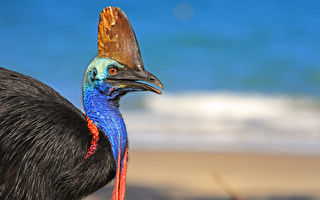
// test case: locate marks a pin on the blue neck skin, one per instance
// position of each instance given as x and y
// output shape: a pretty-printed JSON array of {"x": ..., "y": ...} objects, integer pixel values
[{"x": 105, "y": 114}]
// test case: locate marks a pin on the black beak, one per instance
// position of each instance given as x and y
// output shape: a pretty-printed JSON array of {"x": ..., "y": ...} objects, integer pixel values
[{"x": 136, "y": 81}]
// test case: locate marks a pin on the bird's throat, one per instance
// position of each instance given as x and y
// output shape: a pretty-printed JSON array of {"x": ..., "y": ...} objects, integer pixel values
[{"x": 106, "y": 116}]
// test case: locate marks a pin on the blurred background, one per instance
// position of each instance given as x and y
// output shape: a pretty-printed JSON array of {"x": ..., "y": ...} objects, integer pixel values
[{"x": 240, "y": 113}]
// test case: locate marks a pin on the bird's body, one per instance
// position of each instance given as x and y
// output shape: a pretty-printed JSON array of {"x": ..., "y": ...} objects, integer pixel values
[
  {"x": 50, "y": 150},
  {"x": 43, "y": 141}
]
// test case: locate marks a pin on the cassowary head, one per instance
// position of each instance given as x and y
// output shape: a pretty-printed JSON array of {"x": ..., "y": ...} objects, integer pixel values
[{"x": 118, "y": 67}]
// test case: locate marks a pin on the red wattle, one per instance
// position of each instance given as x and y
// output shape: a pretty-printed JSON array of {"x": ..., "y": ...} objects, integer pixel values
[
  {"x": 115, "y": 195},
  {"x": 123, "y": 175},
  {"x": 119, "y": 189}
]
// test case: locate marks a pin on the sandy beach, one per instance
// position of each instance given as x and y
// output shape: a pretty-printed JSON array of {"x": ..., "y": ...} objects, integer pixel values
[{"x": 197, "y": 175}]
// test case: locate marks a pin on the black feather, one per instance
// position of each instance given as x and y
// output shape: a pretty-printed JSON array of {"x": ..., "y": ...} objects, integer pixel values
[{"x": 43, "y": 139}]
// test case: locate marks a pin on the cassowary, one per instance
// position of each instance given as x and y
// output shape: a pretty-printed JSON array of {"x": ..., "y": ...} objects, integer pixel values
[{"x": 50, "y": 150}]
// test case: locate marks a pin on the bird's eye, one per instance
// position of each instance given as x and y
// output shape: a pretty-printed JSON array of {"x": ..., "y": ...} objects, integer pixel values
[{"x": 112, "y": 70}]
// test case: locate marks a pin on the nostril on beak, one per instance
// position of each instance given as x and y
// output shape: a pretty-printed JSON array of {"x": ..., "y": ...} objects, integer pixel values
[{"x": 152, "y": 79}]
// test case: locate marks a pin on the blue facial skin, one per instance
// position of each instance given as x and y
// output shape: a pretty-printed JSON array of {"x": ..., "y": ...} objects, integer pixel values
[{"x": 101, "y": 104}]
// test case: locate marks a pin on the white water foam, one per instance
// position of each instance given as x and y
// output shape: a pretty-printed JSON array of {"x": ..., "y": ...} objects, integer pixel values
[{"x": 225, "y": 121}]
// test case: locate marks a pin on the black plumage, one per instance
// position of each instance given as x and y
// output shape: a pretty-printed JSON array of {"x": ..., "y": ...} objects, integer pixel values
[{"x": 43, "y": 139}]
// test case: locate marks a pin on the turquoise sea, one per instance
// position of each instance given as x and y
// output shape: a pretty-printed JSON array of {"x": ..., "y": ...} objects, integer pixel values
[{"x": 250, "y": 65}]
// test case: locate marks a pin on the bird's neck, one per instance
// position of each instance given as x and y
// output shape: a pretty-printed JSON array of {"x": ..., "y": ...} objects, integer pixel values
[{"x": 106, "y": 115}]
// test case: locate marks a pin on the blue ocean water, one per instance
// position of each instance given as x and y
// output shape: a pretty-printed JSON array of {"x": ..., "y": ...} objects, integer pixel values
[{"x": 262, "y": 46}]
